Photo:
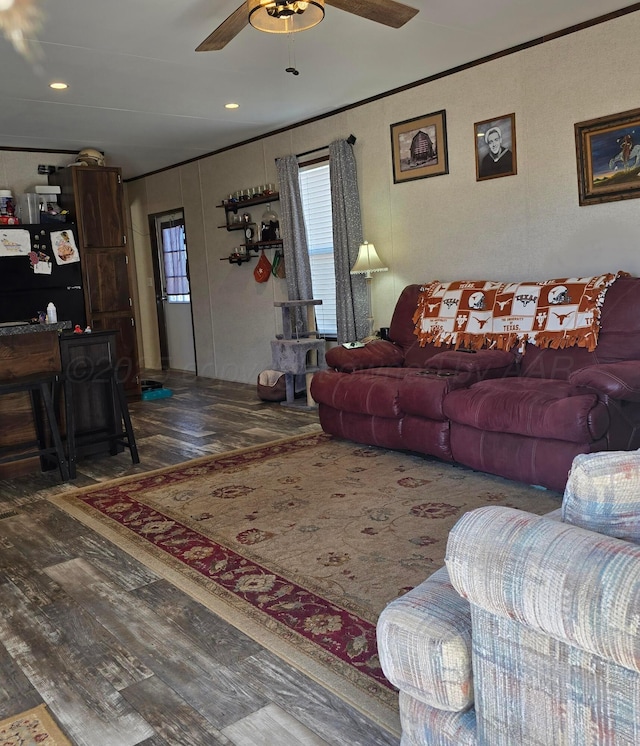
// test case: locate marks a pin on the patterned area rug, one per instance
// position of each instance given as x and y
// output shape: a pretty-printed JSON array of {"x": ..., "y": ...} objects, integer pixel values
[
  {"x": 34, "y": 727},
  {"x": 301, "y": 543}
]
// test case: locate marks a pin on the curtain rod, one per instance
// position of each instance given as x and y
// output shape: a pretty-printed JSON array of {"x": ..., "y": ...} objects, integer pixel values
[{"x": 351, "y": 140}]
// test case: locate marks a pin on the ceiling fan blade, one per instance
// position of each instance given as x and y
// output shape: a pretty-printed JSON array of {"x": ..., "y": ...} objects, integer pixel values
[
  {"x": 388, "y": 12},
  {"x": 226, "y": 31}
]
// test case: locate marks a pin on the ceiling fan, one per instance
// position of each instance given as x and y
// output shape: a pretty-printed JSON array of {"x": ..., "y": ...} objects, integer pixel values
[{"x": 285, "y": 16}]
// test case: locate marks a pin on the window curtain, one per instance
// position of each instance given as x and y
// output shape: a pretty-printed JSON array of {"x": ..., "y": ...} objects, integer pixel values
[
  {"x": 294, "y": 238},
  {"x": 351, "y": 290}
]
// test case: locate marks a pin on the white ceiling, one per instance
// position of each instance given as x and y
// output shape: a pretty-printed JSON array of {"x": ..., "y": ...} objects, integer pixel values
[{"x": 139, "y": 92}]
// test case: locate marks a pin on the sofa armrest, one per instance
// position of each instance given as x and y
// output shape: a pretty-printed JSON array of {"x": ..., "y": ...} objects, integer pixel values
[
  {"x": 617, "y": 380},
  {"x": 377, "y": 354},
  {"x": 424, "y": 644},
  {"x": 577, "y": 586}
]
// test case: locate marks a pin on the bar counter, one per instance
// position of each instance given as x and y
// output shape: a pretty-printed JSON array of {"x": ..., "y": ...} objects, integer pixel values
[
  {"x": 12, "y": 329},
  {"x": 24, "y": 349}
]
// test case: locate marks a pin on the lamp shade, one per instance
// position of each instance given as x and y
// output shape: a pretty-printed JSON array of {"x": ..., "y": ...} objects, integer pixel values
[
  {"x": 282, "y": 17},
  {"x": 368, "y": 261}
]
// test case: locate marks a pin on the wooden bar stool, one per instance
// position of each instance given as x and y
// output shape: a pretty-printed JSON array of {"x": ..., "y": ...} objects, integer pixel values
[
  {"x": 48, "y": 446},
  {"x": 118, "y": 430},
  {"x": 96, "y": 410}
]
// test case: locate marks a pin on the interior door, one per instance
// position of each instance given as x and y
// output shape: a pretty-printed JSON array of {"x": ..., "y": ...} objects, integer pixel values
[{"x": 173, "y": 294}]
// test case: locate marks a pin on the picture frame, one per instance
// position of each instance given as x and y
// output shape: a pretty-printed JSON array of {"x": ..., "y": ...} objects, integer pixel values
[
  {"x": 419, "y": 147},
  {"x": 608, "y": 158},
  {"x": 495, "y": 147}
]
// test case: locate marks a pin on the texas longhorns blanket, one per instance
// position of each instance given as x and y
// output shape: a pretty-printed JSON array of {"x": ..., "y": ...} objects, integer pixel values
[{"x": 556, "y": 313}]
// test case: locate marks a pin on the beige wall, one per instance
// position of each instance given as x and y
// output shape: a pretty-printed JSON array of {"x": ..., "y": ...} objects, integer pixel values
[
  {"x": 527, "y": 226},
  {"x": 19, "y": 169}
]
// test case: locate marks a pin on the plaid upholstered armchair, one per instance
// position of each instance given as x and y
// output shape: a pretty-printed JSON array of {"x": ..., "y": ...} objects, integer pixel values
[{"x": 531, "y": 634}]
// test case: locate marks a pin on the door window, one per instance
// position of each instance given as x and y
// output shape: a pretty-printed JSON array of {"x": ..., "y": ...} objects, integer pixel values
[{"x": 174, "y": 261}]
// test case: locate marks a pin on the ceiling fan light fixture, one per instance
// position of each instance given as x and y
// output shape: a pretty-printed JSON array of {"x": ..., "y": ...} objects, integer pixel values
[{"x": 284, "y": 17}]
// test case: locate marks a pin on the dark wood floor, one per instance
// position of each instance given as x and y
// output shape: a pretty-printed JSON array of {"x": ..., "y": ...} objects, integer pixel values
[{"x": 122, "y": 657}]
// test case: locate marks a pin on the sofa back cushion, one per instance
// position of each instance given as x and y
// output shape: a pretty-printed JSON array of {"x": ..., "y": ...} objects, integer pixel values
[
  {"x": 401, "y": 330},
  {"x": 619, "y": 337}
]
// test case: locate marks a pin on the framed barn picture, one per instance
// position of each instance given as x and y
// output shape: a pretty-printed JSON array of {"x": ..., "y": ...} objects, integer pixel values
[
  {"x": 608, "y": 155},
  {"x": 419, "y": 147}
]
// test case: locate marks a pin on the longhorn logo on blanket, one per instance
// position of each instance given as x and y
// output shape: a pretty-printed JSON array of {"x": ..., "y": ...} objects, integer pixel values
[{"x": 475, "y": 314}]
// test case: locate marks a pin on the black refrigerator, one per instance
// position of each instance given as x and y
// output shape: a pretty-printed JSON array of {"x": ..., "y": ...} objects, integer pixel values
[{"x": 39, "y": 264}]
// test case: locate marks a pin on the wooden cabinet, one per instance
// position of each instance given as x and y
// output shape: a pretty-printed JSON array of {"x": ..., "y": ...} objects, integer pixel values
[
  {"x": 24, "y": 351},
  {"x": 95, "y": 199},
  {"x": 107, "y": 285},
  {"x": 100, "y": 207}
]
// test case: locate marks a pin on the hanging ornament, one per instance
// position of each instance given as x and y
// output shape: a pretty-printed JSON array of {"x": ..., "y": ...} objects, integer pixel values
[{"x": 263, "y": 269}]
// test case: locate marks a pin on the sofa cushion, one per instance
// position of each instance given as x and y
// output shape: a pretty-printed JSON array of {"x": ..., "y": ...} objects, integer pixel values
[
  {"x": 603, "y": 494},
  {"x": 558, "y": 364},
  {"x": 537, "y": 408},
  {"x": 423, "y": 393},
  {"x": 371, "y": 392},
  {"x": 424, "y": 642}
]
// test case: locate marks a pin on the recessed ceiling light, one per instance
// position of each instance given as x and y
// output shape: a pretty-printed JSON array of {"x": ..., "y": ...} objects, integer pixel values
[
  {"x": 58, "y": 86},
  {"x": 231, "y": 106}
]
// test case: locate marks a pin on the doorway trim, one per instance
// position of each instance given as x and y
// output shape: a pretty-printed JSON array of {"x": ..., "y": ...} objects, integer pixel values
[{"x": 156, "y": 255}]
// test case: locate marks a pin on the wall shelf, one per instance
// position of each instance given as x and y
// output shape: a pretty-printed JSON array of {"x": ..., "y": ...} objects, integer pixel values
[
  {"x": 236, "y": 259},
  {"x": 241, "y": 204},
  {"x": 231, "y": 210},
  {"x": 259, "y": 245},
  {"x": 235, "y": 226},
  {"x": 239, "y": 259}
]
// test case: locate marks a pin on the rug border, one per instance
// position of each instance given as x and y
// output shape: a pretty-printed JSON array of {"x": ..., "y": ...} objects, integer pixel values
[
  {"x": 107, "y": 483},
  {"x": 47, "y": 720},
  {"x": 191, "y": 583}
]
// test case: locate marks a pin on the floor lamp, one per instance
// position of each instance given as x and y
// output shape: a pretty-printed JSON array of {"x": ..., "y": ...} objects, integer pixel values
[{"x": 367, "y": 262}]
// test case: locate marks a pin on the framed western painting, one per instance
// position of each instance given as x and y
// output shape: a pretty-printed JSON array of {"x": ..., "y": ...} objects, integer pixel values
[
  {"x": 495, "y": 143},
  {"x": 419, "y": 147},
  {"x": 608, "y": 155}
]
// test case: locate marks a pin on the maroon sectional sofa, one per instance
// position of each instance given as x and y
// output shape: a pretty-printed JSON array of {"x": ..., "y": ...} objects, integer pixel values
[{"x": 521, "y": 415}]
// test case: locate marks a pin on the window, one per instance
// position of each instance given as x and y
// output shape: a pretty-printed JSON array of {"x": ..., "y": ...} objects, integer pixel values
[
  {"x": 174, "y": 256},
  {"x": 315, "y": 190}
]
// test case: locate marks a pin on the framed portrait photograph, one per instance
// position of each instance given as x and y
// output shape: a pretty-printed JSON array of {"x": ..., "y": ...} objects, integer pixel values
[
  {"x": 419, "y": 147},
  {"x": 495, "y": 142},
  {"x": 608, "y": 156}
]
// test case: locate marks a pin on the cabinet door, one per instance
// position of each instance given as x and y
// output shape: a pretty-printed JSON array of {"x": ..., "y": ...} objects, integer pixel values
[
  {"x": 107, "y": 281},
  {"x": 99, "y": 204}
]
